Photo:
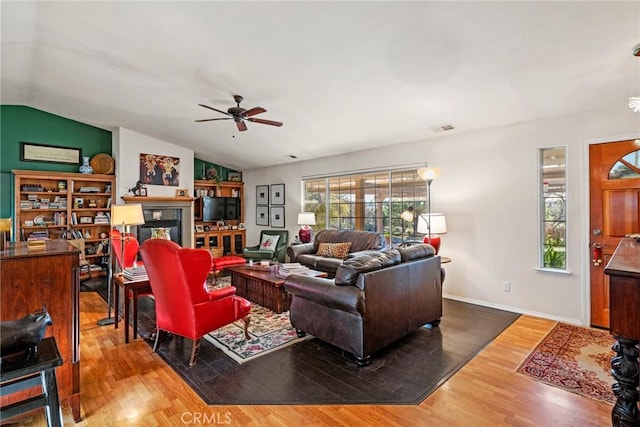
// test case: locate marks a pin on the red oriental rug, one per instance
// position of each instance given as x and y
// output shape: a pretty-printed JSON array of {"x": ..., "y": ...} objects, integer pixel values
[{"x": 576, "y": 359}]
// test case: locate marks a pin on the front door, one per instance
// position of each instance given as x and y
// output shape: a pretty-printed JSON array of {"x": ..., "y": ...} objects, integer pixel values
[{"x": 614, "y": 182}]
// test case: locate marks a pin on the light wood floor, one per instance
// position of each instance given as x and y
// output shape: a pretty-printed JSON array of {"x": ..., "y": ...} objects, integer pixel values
[{"x": 129, "y": 385}]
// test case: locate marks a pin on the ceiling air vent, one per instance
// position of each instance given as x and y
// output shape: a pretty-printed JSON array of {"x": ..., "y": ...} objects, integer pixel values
[{"x": 442, "y": 128}]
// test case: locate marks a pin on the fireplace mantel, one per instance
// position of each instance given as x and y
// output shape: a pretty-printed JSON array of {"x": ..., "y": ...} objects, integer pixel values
[
  {"x": 183, "y": 203},
  {"x": 146, "y": 199}
]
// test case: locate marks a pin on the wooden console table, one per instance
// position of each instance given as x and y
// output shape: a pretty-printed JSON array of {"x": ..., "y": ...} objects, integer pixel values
[{"x": 624, "y": 293}]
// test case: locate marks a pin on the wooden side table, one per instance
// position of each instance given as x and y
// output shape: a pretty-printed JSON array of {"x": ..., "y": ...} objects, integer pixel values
[
  {"x": 25, "y": 373},
  {"x": 131, "y": 289}
]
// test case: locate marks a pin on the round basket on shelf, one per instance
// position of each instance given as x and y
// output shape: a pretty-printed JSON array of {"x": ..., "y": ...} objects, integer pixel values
[{"x": 216, "y": 252}]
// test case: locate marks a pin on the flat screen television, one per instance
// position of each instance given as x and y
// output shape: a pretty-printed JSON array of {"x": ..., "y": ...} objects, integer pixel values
[{"x": 220, "y": 208}]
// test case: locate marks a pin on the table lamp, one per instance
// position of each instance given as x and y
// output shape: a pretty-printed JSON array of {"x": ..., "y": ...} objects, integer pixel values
[
  {"x": 432, "y": 234},
  {"x": 305, "y": 219}
]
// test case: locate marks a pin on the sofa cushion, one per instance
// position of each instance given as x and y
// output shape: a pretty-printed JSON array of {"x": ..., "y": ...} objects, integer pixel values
[
  {"x": 269, "y": 242},
  {"x": 413, "y": 252},
  {"x": 327, "y": 264},
  {"x": 360, "y": 240},
  {"x": 347, "y": 272},
  {"x": 334, "y": 250}
]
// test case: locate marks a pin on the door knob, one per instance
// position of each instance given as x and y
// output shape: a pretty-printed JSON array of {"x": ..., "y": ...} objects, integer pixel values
[{"x": 597, "y": 254}]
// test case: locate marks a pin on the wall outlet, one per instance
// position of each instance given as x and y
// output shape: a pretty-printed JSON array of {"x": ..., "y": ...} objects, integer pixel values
[{"x": 506, "y": 286}]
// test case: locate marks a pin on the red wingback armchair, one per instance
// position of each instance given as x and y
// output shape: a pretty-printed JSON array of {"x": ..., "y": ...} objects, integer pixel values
[
  {"x": 130, "y": 247},
  {"x": 183, "y": 305}
]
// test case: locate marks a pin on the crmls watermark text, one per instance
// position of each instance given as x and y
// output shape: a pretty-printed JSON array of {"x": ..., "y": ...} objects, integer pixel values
[{"x": 206, "y": 418}]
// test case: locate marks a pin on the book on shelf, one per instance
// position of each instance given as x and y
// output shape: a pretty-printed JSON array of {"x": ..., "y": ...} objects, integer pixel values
[{"x": 89, "y": 190}]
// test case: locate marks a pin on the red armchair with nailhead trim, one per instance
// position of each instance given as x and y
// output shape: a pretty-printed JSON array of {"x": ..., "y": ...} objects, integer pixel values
[{"x": 184, "y": 306}]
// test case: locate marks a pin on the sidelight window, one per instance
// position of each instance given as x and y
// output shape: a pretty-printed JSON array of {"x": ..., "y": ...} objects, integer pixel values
[{"x": 553, "y": 204}]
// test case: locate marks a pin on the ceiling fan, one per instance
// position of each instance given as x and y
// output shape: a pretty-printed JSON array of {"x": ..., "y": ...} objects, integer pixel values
[{"x": 239, "y": 115}]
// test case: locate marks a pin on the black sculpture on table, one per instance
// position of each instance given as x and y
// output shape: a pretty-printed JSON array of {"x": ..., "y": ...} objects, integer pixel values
[{"x": 24, "y": 335}]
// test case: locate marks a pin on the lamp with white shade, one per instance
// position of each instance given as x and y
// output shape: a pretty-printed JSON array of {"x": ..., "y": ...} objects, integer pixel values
[
  {"x": 125, "y": 216},
  {"x": 305, "y": 219},
  {"x": 432, "y": 233}
]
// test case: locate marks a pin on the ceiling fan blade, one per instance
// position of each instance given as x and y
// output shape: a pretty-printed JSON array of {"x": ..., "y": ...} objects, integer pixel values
[
  {"x": 242, "y": 126},
  {"x": 265, "y": 122},
  {"x": 210, "y": 120},
  {"x": 215, "y": 109},
  {"x": 254, "y": 111}
]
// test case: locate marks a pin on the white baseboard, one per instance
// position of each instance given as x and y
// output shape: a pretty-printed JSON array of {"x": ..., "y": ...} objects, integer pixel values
[{"x": 514, "y": 309}]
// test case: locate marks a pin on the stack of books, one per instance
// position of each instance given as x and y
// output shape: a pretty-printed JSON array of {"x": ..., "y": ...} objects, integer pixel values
[
  {"x": 135, "y": 274},
  {"x": 292, "y": 268},
  {"x": 101, "y": 218}
]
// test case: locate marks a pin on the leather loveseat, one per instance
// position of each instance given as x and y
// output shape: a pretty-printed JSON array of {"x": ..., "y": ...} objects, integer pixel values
[
  {"x": 374, "y": 299},
  {"x": 307, "y": 254}
]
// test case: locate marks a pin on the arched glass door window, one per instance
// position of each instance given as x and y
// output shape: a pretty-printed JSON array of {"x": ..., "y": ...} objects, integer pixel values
[{"x": 628, "y": 166}]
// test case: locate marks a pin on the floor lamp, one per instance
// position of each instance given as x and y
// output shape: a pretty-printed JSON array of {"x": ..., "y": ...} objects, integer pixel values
[
  {"x": 429, "y": 174},
  {"x": 126, "y": 216},
  {"x": 410, "y": 216}
]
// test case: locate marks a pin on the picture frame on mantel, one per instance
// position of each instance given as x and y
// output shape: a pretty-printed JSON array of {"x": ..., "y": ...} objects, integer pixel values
[
  {"x": 262, "y": 215},
  {"x": 277, "y": 216},
  {"x": 277, "y": 194},
  {"x": 262, "y": 195}
]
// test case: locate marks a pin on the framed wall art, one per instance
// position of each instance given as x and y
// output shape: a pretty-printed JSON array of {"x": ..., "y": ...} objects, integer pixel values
[
  {"x": 158, "y": 169},
  {"x": 262, "y": 215},
  {"x": 262, "y": 194},
  {"x": 32, "y": 152},
  {"x": 277, "y": 194},
  {"x": 277, "y": 216},
  {"x": 234, "y": 176}
]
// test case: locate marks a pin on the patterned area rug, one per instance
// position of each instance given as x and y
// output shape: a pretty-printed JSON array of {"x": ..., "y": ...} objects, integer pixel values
[
  {"x": 269, "y": 332},
  {"x": 576, "y": 359}
]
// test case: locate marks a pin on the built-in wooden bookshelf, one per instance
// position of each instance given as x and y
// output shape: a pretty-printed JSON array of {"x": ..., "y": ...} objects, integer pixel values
[
  {"x": 65, "y": 205},
  {"x": 228, "y": 235}
]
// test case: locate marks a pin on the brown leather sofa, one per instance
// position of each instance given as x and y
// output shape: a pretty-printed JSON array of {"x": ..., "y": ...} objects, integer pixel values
[
  {"x": 305, "y": 254},
  {"x": 374, "y": 299}
]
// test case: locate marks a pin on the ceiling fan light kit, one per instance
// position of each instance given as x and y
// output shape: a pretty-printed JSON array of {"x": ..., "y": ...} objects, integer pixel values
[{"x": 239, "y": 115}]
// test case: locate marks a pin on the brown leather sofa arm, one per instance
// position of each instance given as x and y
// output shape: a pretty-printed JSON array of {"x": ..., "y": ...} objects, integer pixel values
[
  {"x": 294, "y": 250},
  {"x": 324, "y": 292}
]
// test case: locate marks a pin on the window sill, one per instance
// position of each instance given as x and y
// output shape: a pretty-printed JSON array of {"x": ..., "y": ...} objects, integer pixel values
[{"x": 553, "y": 271}]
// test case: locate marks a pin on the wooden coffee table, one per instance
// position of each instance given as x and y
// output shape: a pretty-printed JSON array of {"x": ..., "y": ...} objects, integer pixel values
[{"x": 262, "y": 286}]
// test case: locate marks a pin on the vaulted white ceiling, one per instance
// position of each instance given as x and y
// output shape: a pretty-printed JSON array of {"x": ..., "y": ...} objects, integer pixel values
[{"x": 342, "y": 76}]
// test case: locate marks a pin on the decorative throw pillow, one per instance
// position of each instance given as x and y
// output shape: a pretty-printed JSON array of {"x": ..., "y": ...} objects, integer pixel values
[
  {"x": 334, "y": 250},
  {"x": 160, "y": 233},
  {"x": 269, "y": 242}
]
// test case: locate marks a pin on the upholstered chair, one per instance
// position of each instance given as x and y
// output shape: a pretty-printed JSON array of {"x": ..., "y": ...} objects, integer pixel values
[
  {"x": 184, "y": 306},
  {"x": 260, "y": 252},
  {"x": 126, "y": 242}
]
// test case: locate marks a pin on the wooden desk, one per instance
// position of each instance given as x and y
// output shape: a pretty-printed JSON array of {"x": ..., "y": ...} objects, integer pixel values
[
  {"x": 49, "y": 275},
  {"x": 130, "y": 289},
  {"x": 624, "y": 294}
]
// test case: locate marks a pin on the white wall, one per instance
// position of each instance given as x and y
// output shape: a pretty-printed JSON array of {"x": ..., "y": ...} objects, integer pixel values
[
  {"x": 488, "y": 190},
  {"x": 127, "y": 146}
]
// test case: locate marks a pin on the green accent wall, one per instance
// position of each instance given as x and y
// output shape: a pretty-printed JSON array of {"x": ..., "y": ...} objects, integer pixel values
[
  {"x": 198, "y": 165},
  {"x": 25, "y": 124}
]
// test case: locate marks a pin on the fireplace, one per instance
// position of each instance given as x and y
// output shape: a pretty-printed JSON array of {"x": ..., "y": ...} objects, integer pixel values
[
  {"x": 168, "y": 218},
  {"x": 176, "y": 214}
]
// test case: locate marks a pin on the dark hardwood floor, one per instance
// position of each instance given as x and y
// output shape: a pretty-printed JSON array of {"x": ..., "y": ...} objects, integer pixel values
[{"x": 313, "y": 372}]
